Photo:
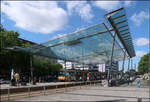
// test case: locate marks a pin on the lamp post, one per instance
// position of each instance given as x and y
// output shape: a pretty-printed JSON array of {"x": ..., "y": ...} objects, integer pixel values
[{"x": 31, "y": 63}]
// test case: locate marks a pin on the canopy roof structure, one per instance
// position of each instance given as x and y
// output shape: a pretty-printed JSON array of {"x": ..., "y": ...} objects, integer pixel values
[
  {"x": 92, "y": 45},
  {"x": 119, "y": 22}
]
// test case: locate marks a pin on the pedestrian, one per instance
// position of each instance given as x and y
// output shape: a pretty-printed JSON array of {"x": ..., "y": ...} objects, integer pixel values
[
  {"x": 17, "y": 76},
  {"x": 128, "y": 79},
  {"x": 138, "y": 83},
  {"x": 80, "y": 78},
  {"x": 131, "y": 80}
]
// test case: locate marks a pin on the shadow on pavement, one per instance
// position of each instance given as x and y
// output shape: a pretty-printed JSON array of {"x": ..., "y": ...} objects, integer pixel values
[
  {"x": 104, "y": 96},
  {"x": 121, "y": 100},
  {"x": 119, "y": 90}
]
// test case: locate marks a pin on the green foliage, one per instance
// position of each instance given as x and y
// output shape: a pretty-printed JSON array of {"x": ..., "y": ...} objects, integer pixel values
[
  {"x": 20, "y": 61},
  {"x": 131, "y": 72},
  {"x": 44, "y": 67},
  {"x": 56, "y": 68},
  {"x": 11, "y": 59},
  {"x": 143, "y": 65},
  {"x": 8, "y": 39}
]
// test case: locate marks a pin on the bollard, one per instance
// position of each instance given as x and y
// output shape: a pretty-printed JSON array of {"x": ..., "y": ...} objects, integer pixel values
[
  {"x": 86, "y": 84},
  {"x": 65, "y": 87},
  {"x": 28, "y": 91},
  {"x": 80, "y": 85},
  {"x": 139, "y": 100},
  {"x": 74, "y": 85},
  {"x": 8, "y": 93},
  {"x": 56, "y": 88},
  {"x": 44, "y": 90}
]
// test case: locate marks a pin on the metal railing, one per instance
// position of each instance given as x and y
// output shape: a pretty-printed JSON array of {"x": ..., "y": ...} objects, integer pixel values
[{"x": 16, "y": 93}]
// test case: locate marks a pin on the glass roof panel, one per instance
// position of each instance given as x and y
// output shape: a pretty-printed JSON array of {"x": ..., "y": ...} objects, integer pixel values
[
  {"x": 120, "y": 19},
  {"x": 117, "y": 13},
  {"x": 121, "y": 29},
  {"x": 119, "y": 23},
  {"x": 75, "y": 35},
  {"x": 92, "y": 45}
]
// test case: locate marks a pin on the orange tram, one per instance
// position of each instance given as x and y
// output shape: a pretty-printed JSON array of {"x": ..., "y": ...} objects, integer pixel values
[{"x": 79, "y": 75}]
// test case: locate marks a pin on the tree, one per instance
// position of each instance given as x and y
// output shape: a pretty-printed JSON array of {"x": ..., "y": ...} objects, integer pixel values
[
  {"x": 44, "y": 67},
  {"x": 12, "y": 59},
  {"x": 56, "y": 68},
  {"x": 8, "y": 39},
  {"x": 20, "y": 61},
  {"x": 143, "y": 65},
  {"x": 131, "y": 72}
]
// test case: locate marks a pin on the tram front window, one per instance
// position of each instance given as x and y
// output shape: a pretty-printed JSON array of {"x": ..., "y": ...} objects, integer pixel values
[{"x": 63, "y": 77}]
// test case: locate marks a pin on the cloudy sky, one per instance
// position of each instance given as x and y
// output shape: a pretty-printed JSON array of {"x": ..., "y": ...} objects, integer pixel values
[{"x": 44, "y": 20}]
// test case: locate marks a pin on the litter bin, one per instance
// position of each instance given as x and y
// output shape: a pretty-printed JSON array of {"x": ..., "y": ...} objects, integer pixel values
[
  {"x": 13, "y": 82},
  {"x": 113, "y": 83},
  {"x": 23, "y": 83}
]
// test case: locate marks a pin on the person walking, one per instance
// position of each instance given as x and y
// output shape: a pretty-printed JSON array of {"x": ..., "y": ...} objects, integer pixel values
[
  {"x": 138, "y": 84},
  {"x": 128, "y": 79},
  {"x": 17, "y": 78},
  {"x": 131, "y": 80}
]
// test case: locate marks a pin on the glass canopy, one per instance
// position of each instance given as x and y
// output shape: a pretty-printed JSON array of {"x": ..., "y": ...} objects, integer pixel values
[
  {"x": 92, "y": 45},
  {"x": 119, "y": 23}
]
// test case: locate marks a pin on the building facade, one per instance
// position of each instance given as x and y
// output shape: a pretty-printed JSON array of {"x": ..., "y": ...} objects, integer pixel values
[
  {"x": 76, "y": 66},
  {"x": 106, "y": 66}
]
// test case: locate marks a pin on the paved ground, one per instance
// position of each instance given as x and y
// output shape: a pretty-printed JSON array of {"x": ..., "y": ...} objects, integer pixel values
[
  {"x": 96, "y": 93},
  {"x": 133, "y": 84}
]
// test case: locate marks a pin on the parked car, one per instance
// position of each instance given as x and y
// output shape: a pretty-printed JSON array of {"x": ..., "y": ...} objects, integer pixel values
[{"x": 4, "y": 81}]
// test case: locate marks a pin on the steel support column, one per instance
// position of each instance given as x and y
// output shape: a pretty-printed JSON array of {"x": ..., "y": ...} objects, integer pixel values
[
  {"x": 65, "y": 77},
  {"x": 83, "y": 64},
  {"x": 83, "y": 72},
  {"x": 65, "y": 70},
  {"x": 129, "y": 68},
  {"x": 135, "y": 67},
  {"x": 112, "y": 52},
  {"x": 123, "y": 64},
  {"x": 65, "y": 64},
  {"x": 129, "y": 64}
]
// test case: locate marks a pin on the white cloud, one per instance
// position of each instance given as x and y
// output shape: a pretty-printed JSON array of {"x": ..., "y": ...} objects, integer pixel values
[
  {"x": 58, "y": 36},
  {"x": 107, "y": 5},
  {"x": 81, "y": 7},
  {"x": 139, "y": 18},
  {"x": 36, "y": 16},
  {"x": 129, "y": 2},
  {"x": 142, "y": 41},
  {"x": 113, "y": 5},
  {"x": 140, "y": 53},
  {"x": 2, "y": 20}
]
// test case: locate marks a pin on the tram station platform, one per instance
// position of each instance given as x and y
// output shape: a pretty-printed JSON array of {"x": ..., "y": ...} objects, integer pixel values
[
  {"x": 94, "y": 93},
  {"x": 6, "y": 88}
]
